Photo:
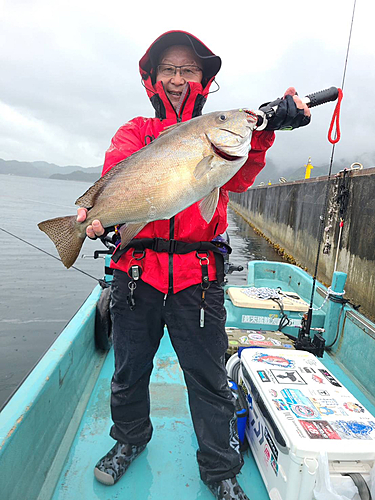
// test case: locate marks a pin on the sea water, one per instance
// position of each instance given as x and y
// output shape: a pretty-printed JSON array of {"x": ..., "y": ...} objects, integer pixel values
[{"x": 38, "y": 295}]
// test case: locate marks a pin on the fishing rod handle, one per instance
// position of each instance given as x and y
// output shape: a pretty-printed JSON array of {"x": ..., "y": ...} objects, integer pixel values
[
  {"x": 321, "y": 97},
  {"x": 268, "y": 110},
  {"x": 312, "y": 100}
]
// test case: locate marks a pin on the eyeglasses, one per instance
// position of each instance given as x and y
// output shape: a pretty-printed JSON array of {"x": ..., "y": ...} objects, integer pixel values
[{"x": 185, "y": 71}]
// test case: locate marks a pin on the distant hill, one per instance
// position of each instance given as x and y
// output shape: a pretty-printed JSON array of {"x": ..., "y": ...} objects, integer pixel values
[
  {"x": 49, "y": 170},
  {"x": 271, "y": 173},
  {"x": 77, "y": 175}
]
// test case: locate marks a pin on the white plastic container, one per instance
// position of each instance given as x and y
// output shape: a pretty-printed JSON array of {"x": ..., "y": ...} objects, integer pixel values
[{"x": 297, "y": 409}]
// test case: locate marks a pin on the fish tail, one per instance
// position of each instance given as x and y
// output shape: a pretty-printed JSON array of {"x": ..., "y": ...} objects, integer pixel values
[{"x": 66, "y": 235}]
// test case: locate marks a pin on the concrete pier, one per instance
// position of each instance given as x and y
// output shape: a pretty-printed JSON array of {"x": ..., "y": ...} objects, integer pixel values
[{"x": 289, "y": 215}]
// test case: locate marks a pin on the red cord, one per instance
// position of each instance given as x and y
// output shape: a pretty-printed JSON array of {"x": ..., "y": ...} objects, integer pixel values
[{"x": 336, "y": 117}]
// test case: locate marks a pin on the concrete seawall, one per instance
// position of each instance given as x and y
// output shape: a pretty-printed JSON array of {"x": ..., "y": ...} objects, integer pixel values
[{"x": 289, "y": 216}]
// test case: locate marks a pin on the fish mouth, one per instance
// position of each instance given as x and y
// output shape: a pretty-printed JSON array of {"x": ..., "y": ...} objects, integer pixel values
[
  {"x": 233, "y": 133},
  {"x": 223, "y": 155}
]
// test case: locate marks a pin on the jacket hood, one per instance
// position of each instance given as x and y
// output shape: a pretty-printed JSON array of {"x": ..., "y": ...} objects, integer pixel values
[
  {"x": 211, "y": 62},
  {"x": 147, "y": 67}
]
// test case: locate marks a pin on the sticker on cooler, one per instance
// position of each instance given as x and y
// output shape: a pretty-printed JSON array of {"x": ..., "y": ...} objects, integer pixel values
[
  {"x": 354, "y": 430},
  {"x": 288, "y": 377},
  {"x": 267, "y": 454},
  {"x": 331, "y": 379},
  {"x": 263, "y": 376},
  {"x": 244, "y": 340},
  {"x": 328, "y": 406},
  {"x": 280, "y": 404},
  {"x": 323, "y": 393},
  {"x": 300, "y": 405},
  {"x": 273, "y": 360},
  {"x": 354, "y": 407},
  {"x": 318, "y": 429},
  {"x": 256, "y": 336},
  {"x": 276, "y": 342}
]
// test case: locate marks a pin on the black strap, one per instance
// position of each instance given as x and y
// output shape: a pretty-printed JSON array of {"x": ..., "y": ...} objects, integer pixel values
[
  {"x": 363, "y": 489},
  {"x": 219, "y": 261},
  {"x": 175, "y": 246},
  {"x": 169, "y": 246}
]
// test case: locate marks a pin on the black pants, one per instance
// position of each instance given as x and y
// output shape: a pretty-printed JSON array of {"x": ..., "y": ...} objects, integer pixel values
[{"x": 200, "y": 351}]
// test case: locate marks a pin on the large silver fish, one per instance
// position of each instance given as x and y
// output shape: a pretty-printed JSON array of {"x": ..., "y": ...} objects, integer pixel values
[{"x": 188, "y": 162}]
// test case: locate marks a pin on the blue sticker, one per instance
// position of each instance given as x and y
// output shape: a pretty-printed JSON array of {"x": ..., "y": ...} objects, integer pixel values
[
  {"x": 354, "y": 430},
  {"x": 300, "y": 405}
]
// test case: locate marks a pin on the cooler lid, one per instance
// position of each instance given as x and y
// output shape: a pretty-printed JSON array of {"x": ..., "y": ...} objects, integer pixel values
[{"x": 311, "y": 408}]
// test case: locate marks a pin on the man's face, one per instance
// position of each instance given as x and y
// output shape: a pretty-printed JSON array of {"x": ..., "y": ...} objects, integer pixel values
[{"x": 178, "y": 55}]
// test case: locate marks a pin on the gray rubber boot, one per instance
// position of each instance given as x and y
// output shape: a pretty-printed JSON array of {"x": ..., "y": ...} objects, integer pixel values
[
  {"x": 115, "y": 463},
  {"x": 228, "y": 489}
]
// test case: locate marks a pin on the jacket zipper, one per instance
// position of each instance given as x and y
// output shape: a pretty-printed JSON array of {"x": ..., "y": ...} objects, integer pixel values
[
  {"x": 171, "y": 221},
  {"x": 184, "y": 103},
  {"x": 166, "y": 95},
  {"x": 170, "y": 256},
  {"x": 178, "y": 117}
]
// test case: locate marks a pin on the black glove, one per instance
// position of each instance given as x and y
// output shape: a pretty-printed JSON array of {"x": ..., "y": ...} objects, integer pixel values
[{"x": 287, "y": 115}]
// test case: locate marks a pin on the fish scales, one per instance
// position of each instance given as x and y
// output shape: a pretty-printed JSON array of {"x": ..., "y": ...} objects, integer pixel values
[{"x": 187, "y": 163}]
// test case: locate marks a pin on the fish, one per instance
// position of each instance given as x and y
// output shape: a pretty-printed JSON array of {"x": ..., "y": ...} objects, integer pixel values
[{"x": 188, "y": 163}]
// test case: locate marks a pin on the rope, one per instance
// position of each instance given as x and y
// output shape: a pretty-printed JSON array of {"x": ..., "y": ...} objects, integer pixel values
[
  {"x": 329, "y": 293},
  {"x": 336, "y": 118},
  {"x": 275, "y": 294}
]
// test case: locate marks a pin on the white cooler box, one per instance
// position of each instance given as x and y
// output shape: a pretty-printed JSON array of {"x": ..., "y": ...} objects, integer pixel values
[{"x": 298, "y": 409}]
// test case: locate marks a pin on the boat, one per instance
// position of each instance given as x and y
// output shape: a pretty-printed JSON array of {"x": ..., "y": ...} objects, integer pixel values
[{"x": 55, "y": 427}]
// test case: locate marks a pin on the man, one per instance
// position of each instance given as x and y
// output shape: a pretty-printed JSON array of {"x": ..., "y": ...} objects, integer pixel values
[{"x": 177, "y": 72}]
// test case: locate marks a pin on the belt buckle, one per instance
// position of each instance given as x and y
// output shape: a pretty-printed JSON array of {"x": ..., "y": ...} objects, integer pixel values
[{"x": 172, "y": 246}]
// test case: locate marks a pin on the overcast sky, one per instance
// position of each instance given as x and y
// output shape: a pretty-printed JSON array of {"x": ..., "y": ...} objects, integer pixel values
[{"x": 69, "y": 70}]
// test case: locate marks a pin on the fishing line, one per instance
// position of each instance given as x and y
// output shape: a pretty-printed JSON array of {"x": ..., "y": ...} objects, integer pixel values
[
  {"x": 323, "y": 216},
  {"x": 46, "y": 203},
  {"x": 12, "y": 198},
  {"x": 50, "y": 254}
]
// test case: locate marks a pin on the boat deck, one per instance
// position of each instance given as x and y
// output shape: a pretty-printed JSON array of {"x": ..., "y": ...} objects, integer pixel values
[{"x": 167, "y": 468}]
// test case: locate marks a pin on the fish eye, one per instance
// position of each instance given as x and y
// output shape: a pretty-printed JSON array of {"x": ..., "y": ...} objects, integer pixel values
[{"x": 222, "y": 118}]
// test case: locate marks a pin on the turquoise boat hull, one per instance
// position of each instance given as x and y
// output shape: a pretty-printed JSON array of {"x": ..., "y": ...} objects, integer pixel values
[{"x": 56, "y": 425}]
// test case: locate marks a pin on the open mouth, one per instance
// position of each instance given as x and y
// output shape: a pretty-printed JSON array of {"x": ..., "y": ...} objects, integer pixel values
[
  {"x": 174, "y": 94},
  {"x": 252, "y": 117},
  {"x": 223, "y": 155}
]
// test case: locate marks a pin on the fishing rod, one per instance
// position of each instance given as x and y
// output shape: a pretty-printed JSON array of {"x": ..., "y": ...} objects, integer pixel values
[
  {"x": 304, "y": 333},
  {"x": 100, "y": 281}
]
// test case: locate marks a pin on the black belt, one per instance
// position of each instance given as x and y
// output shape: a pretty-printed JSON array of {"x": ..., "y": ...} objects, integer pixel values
[
  {"x": 169, "y": 246},
  {"x": 177, "y": 247}
]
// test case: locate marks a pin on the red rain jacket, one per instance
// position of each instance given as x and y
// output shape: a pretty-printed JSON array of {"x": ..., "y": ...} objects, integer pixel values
[{"x": 167, "y": 273}]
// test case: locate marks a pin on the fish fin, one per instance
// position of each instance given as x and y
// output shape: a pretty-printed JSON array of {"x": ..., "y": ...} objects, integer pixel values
[
  {"x": 128, "y": 231},
  {"x": 203, "y": 167},
  {"x": 65, "y": 234},
  {"x": 208, "y": 205},
  {"x": 87, "y": 200}
]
